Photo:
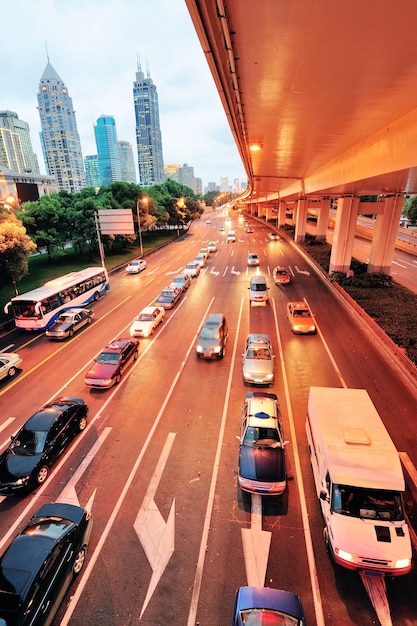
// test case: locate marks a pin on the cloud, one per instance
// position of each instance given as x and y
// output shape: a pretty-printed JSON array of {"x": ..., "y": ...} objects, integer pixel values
[{"x": 95, "y": 47}]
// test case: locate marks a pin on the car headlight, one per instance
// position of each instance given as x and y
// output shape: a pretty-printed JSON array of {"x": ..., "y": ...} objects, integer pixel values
[
  {"x": 20, "y": 482},
  {"x": 346, "y": 556},
  {"x": 199, "y": 349},
  {"x": 269, "y": 377},
  {"x": 401, "y": 563},
  {"x": 217, "y": 349}
]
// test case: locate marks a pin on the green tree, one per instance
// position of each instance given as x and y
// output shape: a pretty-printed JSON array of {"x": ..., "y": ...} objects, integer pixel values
[
  {"x": 411, "y": 211},
  {"x": 45, "y": 221},
  {"x": 15, "y": 249}
]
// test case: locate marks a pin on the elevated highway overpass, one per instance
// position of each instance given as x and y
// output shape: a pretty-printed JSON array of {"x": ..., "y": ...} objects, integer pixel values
[{"x": 321, "y": 98}]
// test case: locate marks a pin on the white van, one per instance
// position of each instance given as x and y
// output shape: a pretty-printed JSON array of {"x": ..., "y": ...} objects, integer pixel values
[{"x": 359, "y": 482}]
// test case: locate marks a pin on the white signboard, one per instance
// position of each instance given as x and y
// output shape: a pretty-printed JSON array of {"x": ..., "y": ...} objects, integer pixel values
[{"x": 116, "y": 222}]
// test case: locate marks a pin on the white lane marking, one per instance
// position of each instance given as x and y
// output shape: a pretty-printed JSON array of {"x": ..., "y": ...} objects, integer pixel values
[
  {"x": 192, "y": 616},
  {"x": 301, "y": 493},
  {"x": 256, "y": 545},
  {"x": 7, "y": 423},
  {"x": 156, "y": 536},
  {"x": 90, "y": 565}
]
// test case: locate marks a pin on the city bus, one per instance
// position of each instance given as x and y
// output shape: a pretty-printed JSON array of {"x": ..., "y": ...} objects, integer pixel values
[{"x": 39, "y": 308}]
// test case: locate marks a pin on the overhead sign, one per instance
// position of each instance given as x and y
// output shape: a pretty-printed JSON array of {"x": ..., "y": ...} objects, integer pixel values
[{"x": 116, "y": 222}]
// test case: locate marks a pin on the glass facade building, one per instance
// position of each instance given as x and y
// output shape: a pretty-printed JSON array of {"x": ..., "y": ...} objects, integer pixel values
[
  {"x": 59, "y": 136},
  {"x": 148, "y": 131},
  {"x": 127, "y": 162},
  {"x": 107, "y": 150},
  {"x": 16, "y": 152},
  {"x": 92, "y": 173}
]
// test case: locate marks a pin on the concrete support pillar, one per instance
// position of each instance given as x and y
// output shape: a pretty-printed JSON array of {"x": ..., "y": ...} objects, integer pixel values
[
  {"x": 344, "y": 234},
  {"x": 282, "y": 209},
  {"x": 323, "y": 220},
  {"x": 385, "y": 234},
  {"x": 301, "y": 222}
]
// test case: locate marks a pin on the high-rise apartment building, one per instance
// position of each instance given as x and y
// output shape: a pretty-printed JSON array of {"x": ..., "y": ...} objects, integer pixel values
[
  {"x": 127, "y": 162},
  {"x": 107, "y": 150},
  {"x": 92, "y": 172},
  {"x": 186, "y": 177},
  {"x": 16, "y": 152},
  {"x": 148, "y": 131},
  {"x": 60, "y": 141},
  {"x": 224, "y": 184}
]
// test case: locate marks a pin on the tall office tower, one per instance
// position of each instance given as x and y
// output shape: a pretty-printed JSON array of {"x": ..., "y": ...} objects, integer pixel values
[
  {"x": 16, "y": 152},
  {"x": 92, "y": 173},
  {"x": 186, "y": 177},
  {"x": 224, "y": 184},
  {"x": 127, "y": 162},
  {"x": 199, "y": 186},
  {"x": 172, "y": 171},
  {"x": 59, "y": 136},
  {"x": 107, "y": 150},
  {"x": 148, "y": 131}
]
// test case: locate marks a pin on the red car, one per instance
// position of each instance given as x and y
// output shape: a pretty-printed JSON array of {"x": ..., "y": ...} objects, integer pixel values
[{"x": 111, "y": 363}]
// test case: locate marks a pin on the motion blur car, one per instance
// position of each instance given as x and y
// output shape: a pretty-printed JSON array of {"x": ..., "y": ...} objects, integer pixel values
[
  {"x": 258, "y": 360},
  {"x": 221, "y": 228},
  {"x": 264, "y": 605},
  {"x": 10, "y": 362},
  {"x": 146, "y": 321},
  {"x": 68, "y": 322},
  {"x": 168, "y": 297},
  {"x": 273, "y": 236},
  {"x": 39, "y": 565},
  {"x": 231, "y": 237},
  {"x": 248, "y": 228},
  {"x": 182, "y": 281},
  {"x": 204, "y": 251},
  {"x": 301, "y": 318},
  {"x": 212, "y": 246},
  {"x": 281, "y": 275},
  {"x": 262, "y": 465},
  {"x": 253, "y": 259},
  {"x": 192, "y": 269},
  {"x": 38, "y": 444},
  {"x": 213, "y": 336},
  {"x": 201, "y": 260},
  {"x": 111, "y": 363},
  {"x": 136, "y": 266}
]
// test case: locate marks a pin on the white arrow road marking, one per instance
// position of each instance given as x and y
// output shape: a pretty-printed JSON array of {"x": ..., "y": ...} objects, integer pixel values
[
  {"x": 150, "y": 272},
  {"x": 307, "y": 273},
  {"x": 68, "y": 494},
  {"x": 256, "y": 544},
  {"x": 213, "y": 272},
  {"x": 233, "y": 271},
  {"x": 156, "y": 536},
  {"x": 174, "y": 272}
]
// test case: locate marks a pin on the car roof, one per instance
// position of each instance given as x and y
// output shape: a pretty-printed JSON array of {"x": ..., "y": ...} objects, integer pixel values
[
  {"x": 263, "y": 408},
  {"x": 214, "y": 319},
  {"x": 258, "y": 339},
  {"x": 299, "y": 305},
  {"x": 117, "y": 345},
  {"x": 259, "y": 278},
  {"x": 149, "y": 309}
]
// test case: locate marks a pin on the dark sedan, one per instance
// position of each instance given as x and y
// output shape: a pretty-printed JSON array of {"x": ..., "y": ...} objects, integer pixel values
[
  {"x": 111, "y": 363},
  {"x": 263, "y": 605},
  {"x": 168, "y": 297},
  {"x": 262, "y": 466},
  {"x": 37, "y": 445},
  {"x": 68, "y": 322},
  {"x": 41, "y": 562}
]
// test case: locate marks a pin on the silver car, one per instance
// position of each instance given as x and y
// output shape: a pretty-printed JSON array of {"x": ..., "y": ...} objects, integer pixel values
[{"x": 258, "y": 360}]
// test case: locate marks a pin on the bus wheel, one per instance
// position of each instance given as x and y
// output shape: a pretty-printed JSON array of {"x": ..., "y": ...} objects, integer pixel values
[{"x": 96, "y": 296}]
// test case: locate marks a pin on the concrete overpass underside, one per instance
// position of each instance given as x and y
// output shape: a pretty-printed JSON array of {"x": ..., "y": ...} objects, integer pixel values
[{"x": 321, "y": 98}]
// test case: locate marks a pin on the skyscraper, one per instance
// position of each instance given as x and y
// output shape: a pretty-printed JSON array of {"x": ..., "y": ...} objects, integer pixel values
[
  {"x": 59, "y": 136},
  {"x": 107, "y": 150},
  {"x": 148, "y": 131},
  {"x": 92, "y": 173},
  {"x": 16, "y": 152},
  {"x": 127, "y": 162}
]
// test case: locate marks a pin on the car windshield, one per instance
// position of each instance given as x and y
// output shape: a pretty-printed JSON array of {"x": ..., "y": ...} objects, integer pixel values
[
  {"x": 280, "y": 272},
  {"x": 109, "y": 358},
  {"x": 210, "y": 332},
  {"x": 28, "y": 442},
  {"x": 379, "y": 504},
  {"x": 261, "y": 617},
  {"x": 145, "y": 317},
  {"x": 262, "y": 354},
  {"x": 256, "y": 435},
  {"x": 48, "y": 527},
  {"x": 301, "y": 313}
]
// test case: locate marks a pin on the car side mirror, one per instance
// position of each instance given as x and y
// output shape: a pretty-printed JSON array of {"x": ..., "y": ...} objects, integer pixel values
[{"x": 323, "y": 496}]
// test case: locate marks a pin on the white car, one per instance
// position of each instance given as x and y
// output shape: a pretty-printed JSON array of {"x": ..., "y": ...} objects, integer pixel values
[
  {"x": 136, "y": 266},
  {"x": 146, "y": 321},
  {"x": 192, "y": 269},
  {"x": 201, "y": 260},
  {"x": 10, "y": 362},
  {"x": 212, "y": 246}
]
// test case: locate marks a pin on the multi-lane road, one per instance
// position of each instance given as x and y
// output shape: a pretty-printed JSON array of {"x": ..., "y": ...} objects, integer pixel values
[{"x": 173, "y": 536}]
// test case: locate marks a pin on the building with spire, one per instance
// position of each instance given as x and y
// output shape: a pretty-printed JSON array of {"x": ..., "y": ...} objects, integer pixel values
[
  {"x": 148, "y": 131},
  {"x": 16, "y": 152},
  {"x": 59, "y": 137},
  {"x": 107, "y": 150}
]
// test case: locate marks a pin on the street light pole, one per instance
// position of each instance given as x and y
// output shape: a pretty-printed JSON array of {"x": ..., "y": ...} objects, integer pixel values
[{"x": 139, "y": 229}]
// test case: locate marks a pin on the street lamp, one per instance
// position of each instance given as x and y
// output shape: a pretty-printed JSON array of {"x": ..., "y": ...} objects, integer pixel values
[{"x": 144, "y": 199}]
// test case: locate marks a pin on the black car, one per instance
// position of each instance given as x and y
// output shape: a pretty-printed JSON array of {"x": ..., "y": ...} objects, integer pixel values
[
  {"x": 33, "y": 450},
  {"x": 68, "y": 322},
  {"x": 41, "y": 562}
]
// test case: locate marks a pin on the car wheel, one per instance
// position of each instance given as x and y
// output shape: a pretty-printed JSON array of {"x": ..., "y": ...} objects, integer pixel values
[
  {"x": 71, "y": 333},
  {"x": 89, "y": 320},
  {"x": 117, "y": 379},
  {"x": 82, "y": 423},
  {"x": 42, "y": 474},
  {"x": 135, "y": 356},
  {"x": 96, "y": 296},
  {"x": 79, "y": 561},
  {"x": 11, "y": 372}
]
